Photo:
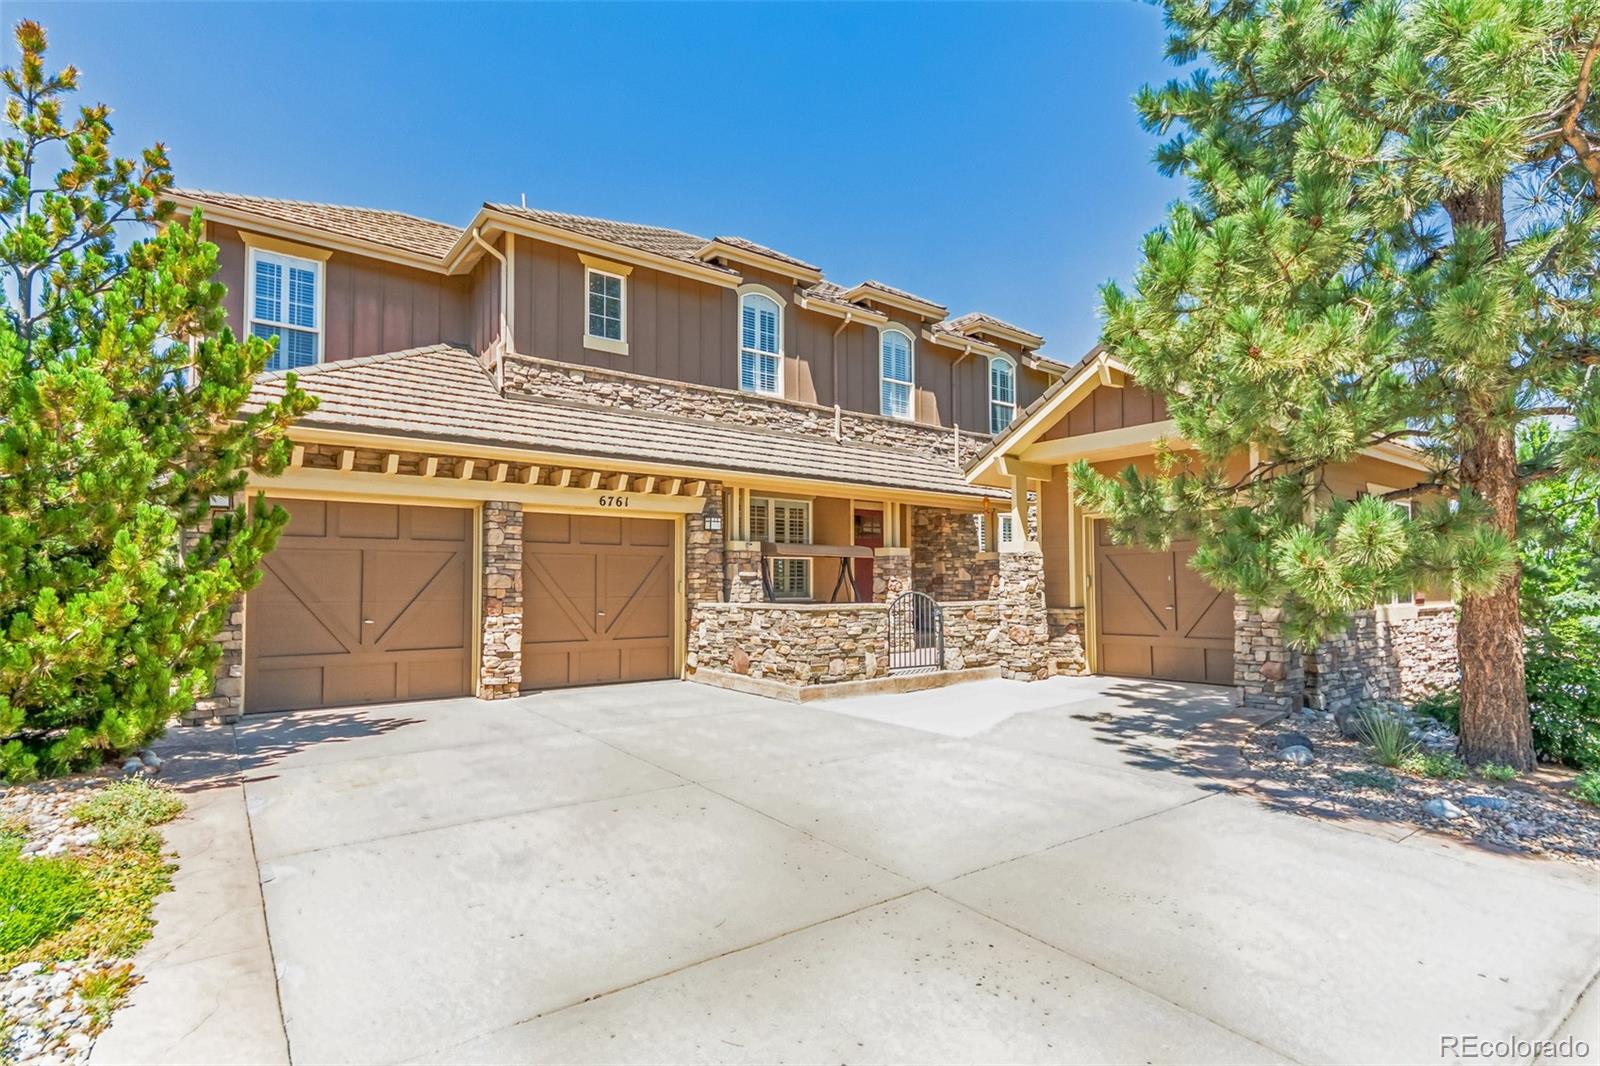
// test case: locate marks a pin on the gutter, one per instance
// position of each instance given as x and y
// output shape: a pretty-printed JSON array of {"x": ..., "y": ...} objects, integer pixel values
[{"x": 838, "y": 415}]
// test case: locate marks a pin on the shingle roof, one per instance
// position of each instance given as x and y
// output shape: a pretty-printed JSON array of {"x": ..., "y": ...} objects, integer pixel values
[
  {"x": 393, "y": 229},
  {"x": 770, "y": 253},
  {"x": 657, "y": 240},
  {"x": 441, "y": 393},
  {"x": 976, "y": 320},
  {"x": 871, "y": 283}
]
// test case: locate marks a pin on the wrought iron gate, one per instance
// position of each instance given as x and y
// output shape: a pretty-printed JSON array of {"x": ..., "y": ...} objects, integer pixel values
[{"x": 916, "y": 633}]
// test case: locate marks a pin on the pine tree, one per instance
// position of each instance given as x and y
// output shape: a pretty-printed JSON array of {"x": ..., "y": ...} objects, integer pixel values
[
  {"x": 1390, "y": 235},
  {"x": 119, "y": 419}
]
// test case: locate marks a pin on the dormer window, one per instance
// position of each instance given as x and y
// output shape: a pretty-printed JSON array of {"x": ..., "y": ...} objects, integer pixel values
[
  {"x": 1002, "y": 394},
  {"x": 285, "y": 297},
  {"x": 760, "y": 341},
  {"x": 894, "y": 364}
]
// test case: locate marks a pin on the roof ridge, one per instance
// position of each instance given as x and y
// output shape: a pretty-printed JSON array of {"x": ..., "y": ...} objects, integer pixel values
[
  {"x": 595, "y": 218},
  {"x": 190, "y": 190}
]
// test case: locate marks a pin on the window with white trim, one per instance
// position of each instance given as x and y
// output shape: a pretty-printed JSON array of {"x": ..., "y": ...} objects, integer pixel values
[
  {"x": 607, "y": 300},
  {"x": 894, "y": 368},
  {"x": 760, "y": 344},
  {"x": 784, "y": 522},
  {"x": 1002, "y": 394},
  {"x": 1002, "y": 527},
  {"x": 285, "y": 298},
  {"x": 982, "y": 522}
]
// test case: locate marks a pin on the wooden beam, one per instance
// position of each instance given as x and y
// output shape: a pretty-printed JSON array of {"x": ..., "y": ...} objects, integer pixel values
[
  {"x": 649, "y": 484},
  {"x": 594, "y": 479},
  {"x": 391, "y": 463},
  {"x": 1013, "y": 466},
  {"x": 297, "y": 457},
  {"x": 697, "y": 488},
  {"x": 619, "y": 483},
  {"x": 347, "y": 460},
  {"x": 564, "y": 478},
  {"x": 499, "y": 472},
  {"x": 464, "y": 469},
  {"x": 674, "y": 484},
  {"x": 430, "y": 466},
  {"x": 530, "y": 476}
]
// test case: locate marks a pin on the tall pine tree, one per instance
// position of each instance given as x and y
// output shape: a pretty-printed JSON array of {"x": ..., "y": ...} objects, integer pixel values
[
  {"x": 1391, "y": 235},
  {"x": 119, "y": 420}
]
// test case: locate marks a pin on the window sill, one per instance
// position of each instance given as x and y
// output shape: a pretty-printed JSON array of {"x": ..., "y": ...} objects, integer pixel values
[{"x": 605, "y": 344}]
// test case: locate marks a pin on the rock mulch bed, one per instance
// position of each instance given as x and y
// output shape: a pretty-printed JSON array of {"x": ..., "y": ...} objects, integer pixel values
[
  {"x": 44, "y": 1014},
  {"x": 1310, "y": 752}
]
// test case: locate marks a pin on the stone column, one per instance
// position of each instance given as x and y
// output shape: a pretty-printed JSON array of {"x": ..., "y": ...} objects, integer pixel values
[
  {"x": 225, "y": 702},
  {"x": 703, "y": 578},
  {"x": 500, "y": 649},
  {"x": 1024, "y": 632},
  {"x": 891, "y": 573},
  {"x": 1269, "y": 673},
  {"x": 743, "y": 562}
]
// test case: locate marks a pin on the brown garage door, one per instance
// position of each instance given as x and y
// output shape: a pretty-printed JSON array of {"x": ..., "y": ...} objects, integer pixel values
[
  {"x": 360, "y": 603},
  {"x": 597, "y": 600},
  {"x": 1157, "y": 617}
]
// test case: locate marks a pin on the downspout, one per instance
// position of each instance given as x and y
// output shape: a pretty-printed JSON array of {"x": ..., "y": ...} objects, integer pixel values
[
  {"x": 954, "y": 403},
  {"x": 838, "y": 418},
  {"x": 506, "y": 343}
]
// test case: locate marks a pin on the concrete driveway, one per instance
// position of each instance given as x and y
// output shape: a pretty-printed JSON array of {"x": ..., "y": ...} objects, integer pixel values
[{"x": 993, "y": 872}]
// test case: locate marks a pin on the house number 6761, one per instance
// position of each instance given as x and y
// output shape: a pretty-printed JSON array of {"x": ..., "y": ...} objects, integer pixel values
[{"x": 614, "y": 501}]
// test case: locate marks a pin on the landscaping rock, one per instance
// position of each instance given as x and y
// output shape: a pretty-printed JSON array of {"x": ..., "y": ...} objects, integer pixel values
[
  {"x": 1286, "y": 741},
  {"x": 1348, "y": 722},
  {"x": 1443, "y": 808},
  {"x": 150, "y": 759},
  {"x": 132, "y": 766},
  {"x": 1298, "y": 754},
  {"x": 1487, "y": 803}
]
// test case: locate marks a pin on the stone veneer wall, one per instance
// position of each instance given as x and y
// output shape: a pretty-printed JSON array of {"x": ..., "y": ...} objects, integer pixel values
[
  {"x": 796, "y": 644},
  {"x": 704, "y": 552},
  {"x": 1404, "y": 656},
  {"x": 1270, "y": 674},
  {"x": 500, "y": 644},
  {"x": 945, "y": 562},
  {"x": 891, "y": 573},
  {"x": 225, "y": 702},
  {"x": 1012, "y": 630},
  {"x": 546, "y": 379}
]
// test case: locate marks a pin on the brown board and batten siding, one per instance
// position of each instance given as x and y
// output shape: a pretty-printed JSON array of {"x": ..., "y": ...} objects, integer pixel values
[
  {"x": 1110, "y": 408},
  {"x": 372, "y": 306}
]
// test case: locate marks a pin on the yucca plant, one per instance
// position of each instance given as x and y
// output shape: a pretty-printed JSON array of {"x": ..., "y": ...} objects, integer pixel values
[{"x": 1390, "y": 738}]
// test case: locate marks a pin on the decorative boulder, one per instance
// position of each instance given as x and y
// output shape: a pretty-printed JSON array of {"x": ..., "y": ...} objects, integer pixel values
[
  {"x": 1294, "y": 740},
  {"x": 1443, "y": 808},
  {"x": 1298, "y": 754}
]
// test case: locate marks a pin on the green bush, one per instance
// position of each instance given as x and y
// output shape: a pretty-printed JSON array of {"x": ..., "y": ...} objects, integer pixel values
[
  {"x": 39, "y": 897},
  {"x": 1390, "y": 738},
  {"x": 127, "y": 810},
  {"x": 1587, "y": 787},
  {"x": 1490, "y": 771},
  {"x": 1563, "y": 672},
  {"x": 1434, "y": 764}
]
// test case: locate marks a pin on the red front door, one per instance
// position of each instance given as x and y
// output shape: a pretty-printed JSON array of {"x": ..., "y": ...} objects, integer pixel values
[{"x": 869, "y": 534}]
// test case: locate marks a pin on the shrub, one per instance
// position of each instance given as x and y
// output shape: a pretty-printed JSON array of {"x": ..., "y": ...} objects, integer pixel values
[
  {"x": 1563, "y": 673},
  {"x": 1490, "y": 771},
  {"x": 39, "y": 897},
  {"x": 1587, "y": 787},
  {"x": 1442, "y": 707},
  {"x": 1390, "y": 738},
  {"x": 127, "y": 810},
  {"x": 1434, "y": 764}
]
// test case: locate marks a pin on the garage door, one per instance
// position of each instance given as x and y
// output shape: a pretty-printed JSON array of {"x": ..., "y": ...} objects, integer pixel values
[
  {"x": 360, "y": 603},
  {"x": 597, "y": 600},
  {"x": 1157, "y": 617}
]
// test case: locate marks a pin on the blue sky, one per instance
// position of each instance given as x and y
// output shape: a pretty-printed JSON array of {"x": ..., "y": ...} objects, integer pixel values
[{"x": 985, "y": 156}]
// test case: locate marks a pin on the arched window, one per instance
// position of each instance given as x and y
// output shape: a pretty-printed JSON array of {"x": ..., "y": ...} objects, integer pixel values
[
  {"x": 760, "y": 343},
  {"x": 1002, "y": 394},
  {"x": 894, "y": 364}
]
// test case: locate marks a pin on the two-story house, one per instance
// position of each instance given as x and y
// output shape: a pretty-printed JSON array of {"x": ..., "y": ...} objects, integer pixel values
[{"x": 545, "y": 441}]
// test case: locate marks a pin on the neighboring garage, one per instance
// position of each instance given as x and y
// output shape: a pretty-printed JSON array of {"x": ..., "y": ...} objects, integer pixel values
[
  {"x": 361, "y": 603},
  {"x": 1158, "y": 618},
  {"x": 597, "y": 600}
]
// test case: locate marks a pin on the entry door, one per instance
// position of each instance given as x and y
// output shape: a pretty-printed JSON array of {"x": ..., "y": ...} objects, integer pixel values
[
  {"x": 868, "y": 534},
  {"x": 597, "y": 600},
  {"x": 1157, "y": 617},
  {"x": 360, "y": 603}
]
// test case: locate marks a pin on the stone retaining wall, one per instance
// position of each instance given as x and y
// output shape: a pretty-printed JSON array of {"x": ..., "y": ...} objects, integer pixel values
[
  {"x": 546, "y": 379},
  {"x": 1400, "y": 654},
  {"x": 1269, "y": 673},
  {"x": 796, "y": 644}
]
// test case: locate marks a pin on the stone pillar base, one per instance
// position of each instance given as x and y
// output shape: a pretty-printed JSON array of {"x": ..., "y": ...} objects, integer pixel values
[
  {"x": 891, "y": 573},
  {"x": 1024, "y": 632},
  {"x": 1270, "y": 674},
  {"x": 500, "y": 643}
]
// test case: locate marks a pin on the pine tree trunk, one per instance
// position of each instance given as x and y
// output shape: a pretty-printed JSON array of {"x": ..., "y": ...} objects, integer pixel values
[{"x": 1495, "y": 726}]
